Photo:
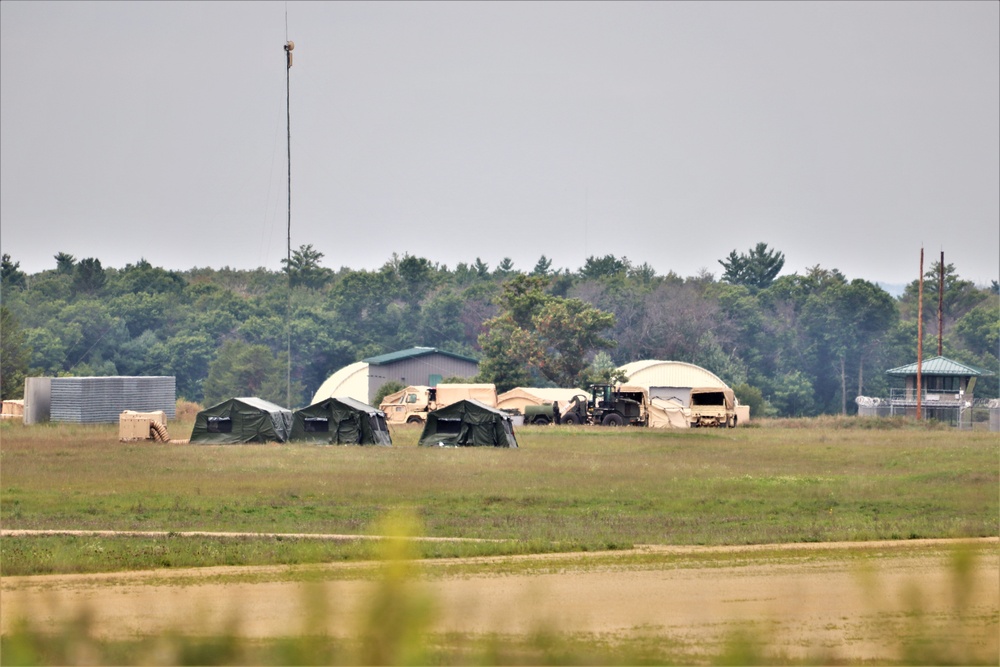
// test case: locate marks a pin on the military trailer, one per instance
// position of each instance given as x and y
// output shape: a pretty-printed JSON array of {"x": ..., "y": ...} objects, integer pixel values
[{"x": 541, "y": 415}]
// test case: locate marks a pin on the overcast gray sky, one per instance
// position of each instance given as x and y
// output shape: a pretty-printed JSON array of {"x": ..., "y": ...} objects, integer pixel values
[{"x": 845, "y": 134}]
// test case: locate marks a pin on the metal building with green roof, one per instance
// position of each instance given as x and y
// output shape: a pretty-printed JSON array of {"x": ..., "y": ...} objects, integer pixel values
[{"x": 413, "y": 366}]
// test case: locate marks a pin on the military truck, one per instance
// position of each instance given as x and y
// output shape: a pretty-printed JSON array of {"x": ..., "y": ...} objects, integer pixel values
[
  {"x": 411, "y": 405},
  {"x": 609, "y": 405},
  {"x": 712, "y": 406}
]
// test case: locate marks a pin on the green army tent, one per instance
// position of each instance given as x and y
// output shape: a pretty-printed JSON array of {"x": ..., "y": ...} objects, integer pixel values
[
  {"x": 468, "y": 423},
  {"x": 340, "y": 421},
  {"x": 241, "y": 420}
]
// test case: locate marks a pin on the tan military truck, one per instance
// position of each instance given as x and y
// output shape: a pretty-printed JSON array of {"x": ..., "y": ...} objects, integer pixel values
[
  {"x": 713, "y": 406},
  {"x": 411, "y": 405}
]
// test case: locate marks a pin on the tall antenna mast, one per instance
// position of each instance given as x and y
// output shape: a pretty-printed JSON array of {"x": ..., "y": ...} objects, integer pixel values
[{"x": 289, "y": 46}]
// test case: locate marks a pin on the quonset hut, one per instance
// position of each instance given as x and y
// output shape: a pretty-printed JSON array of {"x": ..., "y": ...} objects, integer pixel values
[
  {"x": 671, "y": 382},
  {"x": 425, "y": 366}
]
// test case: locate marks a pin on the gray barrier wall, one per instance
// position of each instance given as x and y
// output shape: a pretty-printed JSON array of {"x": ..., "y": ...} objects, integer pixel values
[{"x": 91, "y": 400}]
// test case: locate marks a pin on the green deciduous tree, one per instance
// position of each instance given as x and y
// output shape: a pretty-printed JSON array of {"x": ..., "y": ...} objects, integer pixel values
[
  {"x": 143, "y": 277},
  {"x": 390, "y": 387},
  {"x": 537, "y": 331},
  {"x": 504, "y": 345},
  {"x": 979, "y": 329},
  {"x": 753, "y": 398},
  {"x": 441, "y": 322},
  {"x": 241, "y": 369},
  {"x": 794, "y": 395},
  {"x": 568, "y": 331},
  {"x": 14, "y": 356},
  {"x": 48, "y": 350},
  {"x": 188, "y": 358},
  {"x": 846, "y": 322}
]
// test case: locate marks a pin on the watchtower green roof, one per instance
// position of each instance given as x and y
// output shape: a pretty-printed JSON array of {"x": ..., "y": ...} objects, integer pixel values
[
  {"x": 938, "y": 366},
  {"x": 414, "y": 352}
]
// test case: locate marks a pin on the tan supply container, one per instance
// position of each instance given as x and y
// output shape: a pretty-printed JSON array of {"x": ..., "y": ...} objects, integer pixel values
[
  {"x": 12, "y": 408},
  {"x": 142, "y": 426}
]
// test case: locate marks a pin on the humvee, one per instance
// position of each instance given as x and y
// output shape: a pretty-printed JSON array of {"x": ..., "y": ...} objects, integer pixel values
[{"x": 411, "y": 405}]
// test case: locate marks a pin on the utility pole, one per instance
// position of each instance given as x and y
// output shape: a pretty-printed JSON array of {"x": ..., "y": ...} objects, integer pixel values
[
  {"x": 289, "y": 46},
  {"x": 941, "y": 305},
  {"x": 920, "y": 331}
]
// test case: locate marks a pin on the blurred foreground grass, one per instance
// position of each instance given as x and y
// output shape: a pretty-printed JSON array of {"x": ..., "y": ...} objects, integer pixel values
[{"x": 395, "y": 627}]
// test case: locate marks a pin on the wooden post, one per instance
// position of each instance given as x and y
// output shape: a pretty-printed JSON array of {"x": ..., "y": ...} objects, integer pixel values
[
  {"x": 920, "y": 332},
  {"x": 941, "y": 307}
]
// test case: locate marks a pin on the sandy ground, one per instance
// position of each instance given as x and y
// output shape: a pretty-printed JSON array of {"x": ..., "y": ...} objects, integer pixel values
[{"x": 825, "y": 606}]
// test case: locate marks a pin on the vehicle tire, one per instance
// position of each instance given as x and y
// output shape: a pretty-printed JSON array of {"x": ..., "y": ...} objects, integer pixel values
[
  {"x": 415, "y": 420},
  {"x": 570, "y": 419},
  {"x": 613, "y": 419},
  {"x": 541, "y": 421}
]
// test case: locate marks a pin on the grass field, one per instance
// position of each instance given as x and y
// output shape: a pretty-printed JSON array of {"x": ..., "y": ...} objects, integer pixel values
[{"x": 565, "y": 489}]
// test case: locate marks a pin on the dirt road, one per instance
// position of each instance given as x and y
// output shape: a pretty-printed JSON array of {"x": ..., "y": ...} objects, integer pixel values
[{"x": 852, "y": 608}]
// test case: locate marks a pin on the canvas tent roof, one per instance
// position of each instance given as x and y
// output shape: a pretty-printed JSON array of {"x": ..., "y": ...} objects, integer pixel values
[
  {"x": 340, "y": 421},
  {"x": 242, "y": 420},
  {"x": 468, "y": 423},
  {"x": 519, "y": 397}
]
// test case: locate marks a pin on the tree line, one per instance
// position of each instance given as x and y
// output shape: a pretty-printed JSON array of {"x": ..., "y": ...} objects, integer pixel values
[{"x": 790, "y": 345}]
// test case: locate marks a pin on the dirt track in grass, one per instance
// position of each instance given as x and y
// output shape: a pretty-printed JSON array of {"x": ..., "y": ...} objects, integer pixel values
[{"x": 844, "y": 601}]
